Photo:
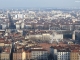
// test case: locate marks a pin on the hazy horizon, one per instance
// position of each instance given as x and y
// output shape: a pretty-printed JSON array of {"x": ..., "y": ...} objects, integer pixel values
[{"x": 39, "y": 3}]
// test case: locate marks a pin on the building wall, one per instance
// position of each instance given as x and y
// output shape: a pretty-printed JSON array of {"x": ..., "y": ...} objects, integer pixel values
[
  {"x": 36, "y": 37},
  {"x": 23, "y": 55},
  {"x": 28, "y": 55},
  {"x": 74, "y": 56},
  {"x": 40, "y": 37},
  {"x": 79, "y": 56},
  {"x": 14, "y": 56},
  {"x": 77, "y": 27},
  {"x": 73, "y": 35},
  {"x": 5, "y": 56},
  {"x": 22, "y": 25},
  {"x": 17, "y": 56},
  {"x": 8, "y": 45},
  {"x": 55, "y": 54},
  {"x": 63, "y": 56},
  {"x": 58, "y": 36},
  {"x": 1, "y": 44},
  {"x": 45, "y": 36},
  {"x": 4, "y": 26},
  {"x": 67, "y": 27},
  {"x": 39, "y": 55},
  {"x": 17, "y": 26}
]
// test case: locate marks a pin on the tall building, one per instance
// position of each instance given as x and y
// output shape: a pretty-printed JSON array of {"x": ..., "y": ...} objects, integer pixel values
[
  {"x": 53, "y": 52},
  {"x": 11, "y": 23}
]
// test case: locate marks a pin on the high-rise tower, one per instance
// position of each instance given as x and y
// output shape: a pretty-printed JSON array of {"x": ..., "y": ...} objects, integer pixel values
[{"x": 11, "y": 23}]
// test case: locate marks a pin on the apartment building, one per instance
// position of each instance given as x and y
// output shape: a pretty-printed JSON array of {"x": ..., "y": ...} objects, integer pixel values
[
  {"x": 39, "y": 54},
  {"x": 4, "y": 56},
  {"x": 74, "y": 55},
  {"x": 5, "y": 53},
  {"x": 79, "y": 56},
  {"x": 17, "y": 55},
  {"x": 63, "y": 54}
]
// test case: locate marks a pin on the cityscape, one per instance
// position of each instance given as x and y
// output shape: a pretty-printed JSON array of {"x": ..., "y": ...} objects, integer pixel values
[
  {"x": 44, "y": 31},
  {"x": 46, "y": 34}
]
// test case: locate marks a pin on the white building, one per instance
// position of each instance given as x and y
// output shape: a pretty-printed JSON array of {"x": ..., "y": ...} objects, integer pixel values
[
  {"x": 46, "y": 36},
  {"x": 56, "y": 37},
  {"x": 35, "y": 37},
  {"x": 39, "y": 54},
  {"x": 73, "y": 35},
  {"x": 17, "y": 26},
  {"x": 20, "y": 16},
  {"x": 22, "y": 25},
  {"x": 63, "y": 55},
  {"x": 5, "y": 56},
  {"x": 4, "y": 26},
  {"x": 43, "y": 37},
  {"x": 16, "y": 16}
]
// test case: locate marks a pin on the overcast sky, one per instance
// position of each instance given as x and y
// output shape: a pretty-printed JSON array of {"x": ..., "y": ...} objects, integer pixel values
[{"x": 39, "y": 3}]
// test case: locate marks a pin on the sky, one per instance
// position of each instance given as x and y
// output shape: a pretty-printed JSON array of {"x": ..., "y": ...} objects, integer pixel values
[{"x": 39, "y": 3}]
